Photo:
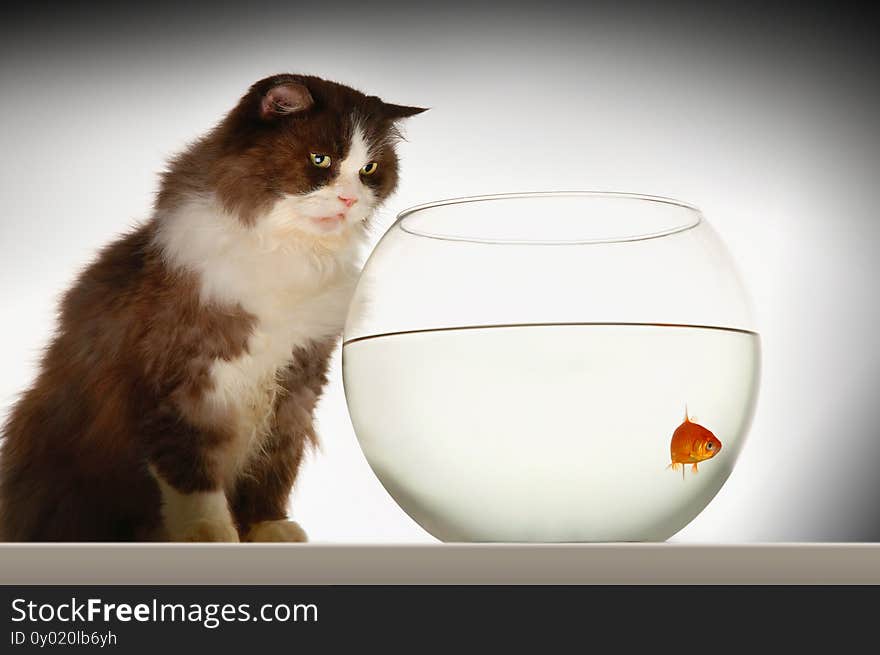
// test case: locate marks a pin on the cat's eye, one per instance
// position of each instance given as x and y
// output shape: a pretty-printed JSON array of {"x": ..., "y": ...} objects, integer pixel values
[
  {"x": 369, "y": 169},
  {"x": 321, "y": 161}
]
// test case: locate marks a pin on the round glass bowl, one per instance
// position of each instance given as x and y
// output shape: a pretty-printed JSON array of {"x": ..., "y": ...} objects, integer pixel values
[{"x": 516, "y": 366}]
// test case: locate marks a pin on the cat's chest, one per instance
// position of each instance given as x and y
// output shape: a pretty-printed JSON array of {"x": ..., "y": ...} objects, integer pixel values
[
  {"x": 244, "y": 390},
  {"x": 281, "y": 326}
]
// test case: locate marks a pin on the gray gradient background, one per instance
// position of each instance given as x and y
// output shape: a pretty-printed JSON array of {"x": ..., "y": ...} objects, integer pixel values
[{"x": 767, "y": 119}]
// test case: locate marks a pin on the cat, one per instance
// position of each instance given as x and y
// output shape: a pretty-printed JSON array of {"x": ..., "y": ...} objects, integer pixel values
[{"x": 175, "y": 400}]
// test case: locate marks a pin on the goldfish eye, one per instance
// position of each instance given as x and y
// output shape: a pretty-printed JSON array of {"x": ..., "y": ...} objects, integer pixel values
[
  {"x": 710, "y": 446},
  {"x": 321, "y": 161},
  {"x": 369, "y": 169}
]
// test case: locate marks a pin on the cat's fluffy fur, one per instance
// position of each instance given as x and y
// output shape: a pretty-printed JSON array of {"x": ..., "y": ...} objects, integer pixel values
[{"x": 175, "y": 400}]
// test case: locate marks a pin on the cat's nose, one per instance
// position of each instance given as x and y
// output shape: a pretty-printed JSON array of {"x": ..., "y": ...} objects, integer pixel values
[{"x": 348, "y": 202}]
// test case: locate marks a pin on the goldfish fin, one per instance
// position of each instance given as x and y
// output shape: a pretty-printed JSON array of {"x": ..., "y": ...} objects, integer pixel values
[
  {"x": 694, "y": 468},
  {"x": 686, "y": 419}
]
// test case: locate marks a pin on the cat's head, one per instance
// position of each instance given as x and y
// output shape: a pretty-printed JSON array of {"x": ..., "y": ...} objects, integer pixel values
[{"x": 306, "y": 153}]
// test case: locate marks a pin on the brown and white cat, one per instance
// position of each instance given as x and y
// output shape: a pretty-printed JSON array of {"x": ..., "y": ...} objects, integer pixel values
[{"x": 175, "y": 400}]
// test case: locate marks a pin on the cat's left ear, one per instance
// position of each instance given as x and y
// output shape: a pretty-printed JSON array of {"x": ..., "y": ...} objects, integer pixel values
[
  {"x": 397, "y": 112},
  {"x": 284, "y": 99}
]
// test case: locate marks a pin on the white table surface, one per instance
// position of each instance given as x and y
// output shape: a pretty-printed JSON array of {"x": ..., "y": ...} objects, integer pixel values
[{"x": 326, "y": 564}]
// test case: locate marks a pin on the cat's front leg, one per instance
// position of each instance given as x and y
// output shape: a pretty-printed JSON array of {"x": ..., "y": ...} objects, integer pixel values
[
  {"x": 183, "y": 461},
  {"x": 259, "y": 504},
  {"x": 195, "y": 515}
]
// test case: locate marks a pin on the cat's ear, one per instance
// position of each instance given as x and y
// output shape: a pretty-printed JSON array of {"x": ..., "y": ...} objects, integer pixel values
[
  {"x": 285, "y": 99},
  {"x": 397, "y": 112}
]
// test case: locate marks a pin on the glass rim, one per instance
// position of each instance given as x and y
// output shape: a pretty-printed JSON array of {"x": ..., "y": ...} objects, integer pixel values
[{"x": 622, "y": 195}]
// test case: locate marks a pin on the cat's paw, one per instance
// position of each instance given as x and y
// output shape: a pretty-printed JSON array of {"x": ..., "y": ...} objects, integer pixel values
[
  {"x": 275, "y": 531},
  {"x": 210, "y": 530}
]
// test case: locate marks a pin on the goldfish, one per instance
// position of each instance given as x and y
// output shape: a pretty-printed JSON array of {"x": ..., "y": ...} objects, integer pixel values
[{"x": 692, "y": 443}]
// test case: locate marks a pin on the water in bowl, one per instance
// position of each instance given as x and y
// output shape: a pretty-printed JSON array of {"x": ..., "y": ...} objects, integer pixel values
[{"x": 549, "y": 432}]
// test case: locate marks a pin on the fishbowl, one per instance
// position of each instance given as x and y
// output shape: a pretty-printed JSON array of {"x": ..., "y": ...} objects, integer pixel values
[{"x": 551, "y": 367}]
